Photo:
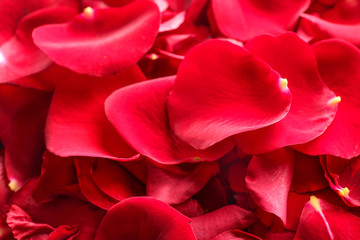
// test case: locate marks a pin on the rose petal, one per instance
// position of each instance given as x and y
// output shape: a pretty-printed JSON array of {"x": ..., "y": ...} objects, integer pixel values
[
  {"x": 104, "y": 41},
  {"x": 268, "y": 179},
  {"x": 157, "y": 221},
  {"x": 310, "y": 113},
  {"x": 322, "y": 220},
  {"x": 224, "y": 219},
  {"x": 222, "y": 90},
  {"x": 339, "y": 66},
  {"x": 139, "y": 114},
  {"x": 235, "y": 235},
  {"x": 176, "y": 184},
  {"x": 245, "y": 19},
  {"x": 87, "y": 132}
]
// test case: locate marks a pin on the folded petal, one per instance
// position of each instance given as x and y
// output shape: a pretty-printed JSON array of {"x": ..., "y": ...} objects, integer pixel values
[
  {"x": 87, "y": 132},
  {"x": 268, "y": 179},
  {"x": 139, "y": 114},
  {"x": 157, "y": 221},
  {"x": 236, "y": 235},
  {"x": 310, "y": 113},
  {"x": 245, "y": 19},
  {"x": 322, "y": 220},
  {"x": 222, "y": 90},
  {"x": 339, "y": 67},
  {"x": 224, "y": 219},
  {"x": 101, "y": 41}
]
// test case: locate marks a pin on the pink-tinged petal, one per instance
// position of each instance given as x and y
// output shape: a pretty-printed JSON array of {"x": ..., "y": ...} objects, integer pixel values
[
  {"x": 310, "y": 113},
  {"x": 22, "y": 118},
  {"x": 138, "y": 112},
  {"x": 222, "y": 90},
  {"x": 339, "y": 67},
  {"x": 224, "y": 219},
  {"x": 144, "y": 219},
  {"x": 268, "y": 179},
  {"x": 344, "y": 176},
  {"x": 101, "y": 41},
  {"x": 245, "y": 19},
  {"x": 179, "y": 5},
  {"x": 58, "y": 177},
  {"x": 177, "y": 183},
  {"x": 322, "y": 220},
  {"x": 18, "y": 55},
  {"x": 308, "y": 174},
  {"x": 315, "y": 27},
  {"x": 87, "y": 132},
  {"x": 236, "y": 235},
  {"x": 61, "y": 211}
]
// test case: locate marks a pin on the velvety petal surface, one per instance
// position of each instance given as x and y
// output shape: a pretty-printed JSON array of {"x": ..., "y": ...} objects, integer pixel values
[
  {"x": 245, "y": 19},
  {"x": 222, "y": 90},
  {"x": 310, "y": 112},
  {"x": 87, "y": 132},
  {"x": 139, "y": 114},
  {"x": 224, "y": 219},
  {"x": 235, "y": 235},
  {"x": 322, "y": 220},
  {"x": 101, "y": 41},
  {"x": 268, "y": 180},
  {"x": 144, "y": 219},
  {"x": 178, "y": 183},
  {"x": 22, "y": 118},
  {"x": 339, "y": 66}
]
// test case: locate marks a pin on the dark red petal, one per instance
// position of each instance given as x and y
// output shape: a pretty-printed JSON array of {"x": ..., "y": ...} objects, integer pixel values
[
  {"x": 139, "y": 114},
  {"x": 176, "y": 184},
  {"x": 245, "y": 19},
  {"x": 22, "y": 119},
  {"x": 344, "y": 177},
  {"x": 308, "y": 174},
  {"x": 5, "y": 192},
  {"x": 144, "y": 219},
  {"x": 101, "y": 41},
  {"x": 314, "y": 26},
  {"x": 268, "y": 179},
  {"x": 236, "y": 235},
  {"x": 87, "y": 132},
  {"x": 339, "y": 66},
  {"x": 61, "y": 211},
  {"x": 224, "y": 219},
  {"x": 222, "y": 90},
  {"x": 322, "y": 220},
  {"x": 84, "y": 169},
  {"x": 310, "y": 113}
]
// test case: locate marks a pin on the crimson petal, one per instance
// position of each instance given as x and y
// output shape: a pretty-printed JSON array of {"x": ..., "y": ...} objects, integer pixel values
[
  {"x": 101, "y": 41},
  {"x": 138, "y": 112},
  {"x": 268, "y": 179},
  {"x": 245, "y": 19},
  {"x": 310, "y": 113},
  {"x": 87, "y": 132},
  {"x": 222, "y": 90},
  {"x": 339, "y": 66},
  {"x": 144, "y": 218}
]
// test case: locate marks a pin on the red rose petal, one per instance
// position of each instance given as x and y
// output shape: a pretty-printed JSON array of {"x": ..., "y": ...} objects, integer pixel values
[
  {"x": 310, "y": 113},
  {"x": 268, "y": 179},
  {"x": 102, "y": 41},
  {"x": 245, "y": 19},
  {"x": 224, "y": 219},
  {"x": 139, "y": 114},
  {"x": 339, "y": 66},
  {"x": 87, "y": 132},
  {"x": 222, "y": 90},
  {"x": 176, "y": 184},
  {"x": 144, "y": 218},
  {"x": 22, "y": 119},
  {"x": 235, "y": 235},
  {"x": 322, "y": 220},
  {"x": 314, "y": 26}
]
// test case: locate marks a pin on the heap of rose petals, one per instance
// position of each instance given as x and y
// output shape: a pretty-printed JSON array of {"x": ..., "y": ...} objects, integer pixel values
[{"x": 180, "y": 119}]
